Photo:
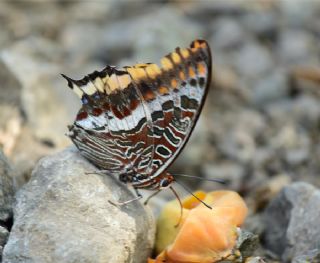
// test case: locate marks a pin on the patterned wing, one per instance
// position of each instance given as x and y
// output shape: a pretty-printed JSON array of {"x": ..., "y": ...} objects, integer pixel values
[
  {"x": 136, "y": 120},
  {"x": 175, "y": 94},
  {"x": 113, "y": 128}
]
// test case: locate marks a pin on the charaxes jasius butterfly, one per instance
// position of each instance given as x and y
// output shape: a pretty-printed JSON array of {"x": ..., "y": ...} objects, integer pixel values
[{"x": 135, "y": 120}]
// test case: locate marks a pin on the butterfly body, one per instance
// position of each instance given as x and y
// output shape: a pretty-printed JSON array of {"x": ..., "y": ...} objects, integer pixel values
[{"x": 134, "y": 121}]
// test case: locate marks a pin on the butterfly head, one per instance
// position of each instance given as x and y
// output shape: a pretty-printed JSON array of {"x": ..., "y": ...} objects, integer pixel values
[
  {"x": 160, "y": 182},
  {"x": 164, "y": 181}
]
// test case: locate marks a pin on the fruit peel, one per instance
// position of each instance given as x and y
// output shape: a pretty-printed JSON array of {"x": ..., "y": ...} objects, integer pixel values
[{"x": 204, "y": 235}]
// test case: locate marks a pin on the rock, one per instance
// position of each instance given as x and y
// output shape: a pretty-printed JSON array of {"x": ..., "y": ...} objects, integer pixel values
[
  {"x": 264, "y": 193},
  {"x": 297, "y": 47},
  {"x": 253, "y": 60},
  {"x": 311, "y": 256},
  {"x": 227, "y": 34},
  {"x": 44, "y": 106},
  {"x": 232, "y": 172},
  {"x": 26, "y": 153},
  {"x": 306, "y": 111},
  {"x": 73, "y": 38},
  {"x": 206, "y": 10},
  {"x": 64, "y": 215},
  {"x": 270, "y": 88},
  {"x": 4, "y": 233},
  {"x": 255, "y": 260},
  {"x": 247, "y": 243},
  {"x": 10, "y": 127},
  {"x": 291, "y": 222},
  {"x": 290, "y": 138},
  {"x": 132, "y": 45},
  {"x": 47, "y": 107},
  {"x": 6, "y": 189},
  {"x": 92, "y": 11},
  {"x": 162, "y": 37},
  {"x": 262, "y": 23},
  {"x": 296, "y": 13},
  {"x": 236, "y": 133},
  {"x": 10, "y": 86}
]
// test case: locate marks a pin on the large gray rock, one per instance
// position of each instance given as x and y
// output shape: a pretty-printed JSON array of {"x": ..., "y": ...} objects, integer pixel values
[
  {"x": 64, "y": 215},
  {"x": 6, "y": 189},
  {"x": 43, "y": 96},
  {"x": 292, "y": 223},
  {"x": 6, "y": 199}
]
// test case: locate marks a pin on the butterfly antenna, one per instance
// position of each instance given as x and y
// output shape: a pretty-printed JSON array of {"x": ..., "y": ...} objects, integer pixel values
[
  {"x": 196, "y": 197},
  {"x": 220, "y": 181},
  {"x": 181, "y": 207}
]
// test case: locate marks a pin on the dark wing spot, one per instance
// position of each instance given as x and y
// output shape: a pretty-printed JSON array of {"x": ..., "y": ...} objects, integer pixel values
[
  {"x": 201, "y": 81},
  {"x": 163, "y": 151},
  {"x": 193, "y": 82}
]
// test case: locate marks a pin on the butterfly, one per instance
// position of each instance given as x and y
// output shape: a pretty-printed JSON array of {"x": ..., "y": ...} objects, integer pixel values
[{"x": 134, "y": 121}]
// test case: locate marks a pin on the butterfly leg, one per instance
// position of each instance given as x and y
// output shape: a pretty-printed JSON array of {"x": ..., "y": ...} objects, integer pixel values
[
  {"x": 152, "y": 195},
  {"x": 139, "y": 196},
  {"x": 99, "y": 172}
]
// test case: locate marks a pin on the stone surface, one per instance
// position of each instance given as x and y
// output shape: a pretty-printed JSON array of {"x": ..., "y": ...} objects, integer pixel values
[
  {"x": 227, "y": 34},
  {"x": 232, "y": 173},
  {"x": 6, "y": 189},
  {"x": 257, "y": 60},
  {"x": 40, "y": 88},
  {"x": 264, "y": 23},
  {"x": 162, "y": 36},
  {"x": 63, "y": 215},
  {"x": 271, "y": 88},
  {"x": 260, "y": 122},
  {"x": 4, "y": 233},
  {"x": 292, "y": 222},
  {"x": 295, "y": 47},
  {"x": 247, "y": 243}
]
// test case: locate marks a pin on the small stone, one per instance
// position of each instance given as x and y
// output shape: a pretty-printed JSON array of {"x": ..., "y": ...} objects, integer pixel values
[
  {"x": 236, "y": 139},
  {"x": 247, "y": 243},
  {"x": 253, "y": 60},
  {"x": 162, "y": 37},
  {"x": 270, "y": 88},
  {"x": 73, "y": 38},
  {"x": 40, "y": 97},
  {"x": 296, "y": 13},
  {"x": 297, "y": 47},
  {"x": 231, "y": 172},
  {"x": 312, "y": 256},
  {"x": 297, "y": 156},
  {"x": 63, "y": 214},
  {"x": 291, "y": 222},
  {"x": 263, "y": 194},
  {"x": 7, "y": 189},
  {"x": 4, "y": 233},
  {"x": 255, "y": 260},
  {"x": 227, "y": 34},
  {"x": 263, "y": 23},
  {"x": 238, "y": 145}
]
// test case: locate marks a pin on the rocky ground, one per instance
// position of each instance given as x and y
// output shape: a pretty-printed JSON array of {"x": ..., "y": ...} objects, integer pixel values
[{"x": 260, "y": 128}]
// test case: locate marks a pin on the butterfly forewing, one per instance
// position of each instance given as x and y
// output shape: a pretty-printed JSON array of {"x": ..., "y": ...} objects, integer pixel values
[
  {"x": 181, "y": 88},
  {"x": 136, "y": 120}
]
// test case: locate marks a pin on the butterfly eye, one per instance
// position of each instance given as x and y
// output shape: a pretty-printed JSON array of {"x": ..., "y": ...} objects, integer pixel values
[{"x": 164, "y": 183}]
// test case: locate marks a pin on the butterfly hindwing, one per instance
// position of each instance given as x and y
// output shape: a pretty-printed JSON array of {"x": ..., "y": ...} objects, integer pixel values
[
  {"x": 180, "y": 89},
  {"x": 138, "y": 118}
]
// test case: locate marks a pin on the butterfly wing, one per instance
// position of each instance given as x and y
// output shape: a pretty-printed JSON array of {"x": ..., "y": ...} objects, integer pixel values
[
  {"x": 112, "y": 128},
  {"x": 175, "y": 94},
  {"x": 137, "y": 119}
]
